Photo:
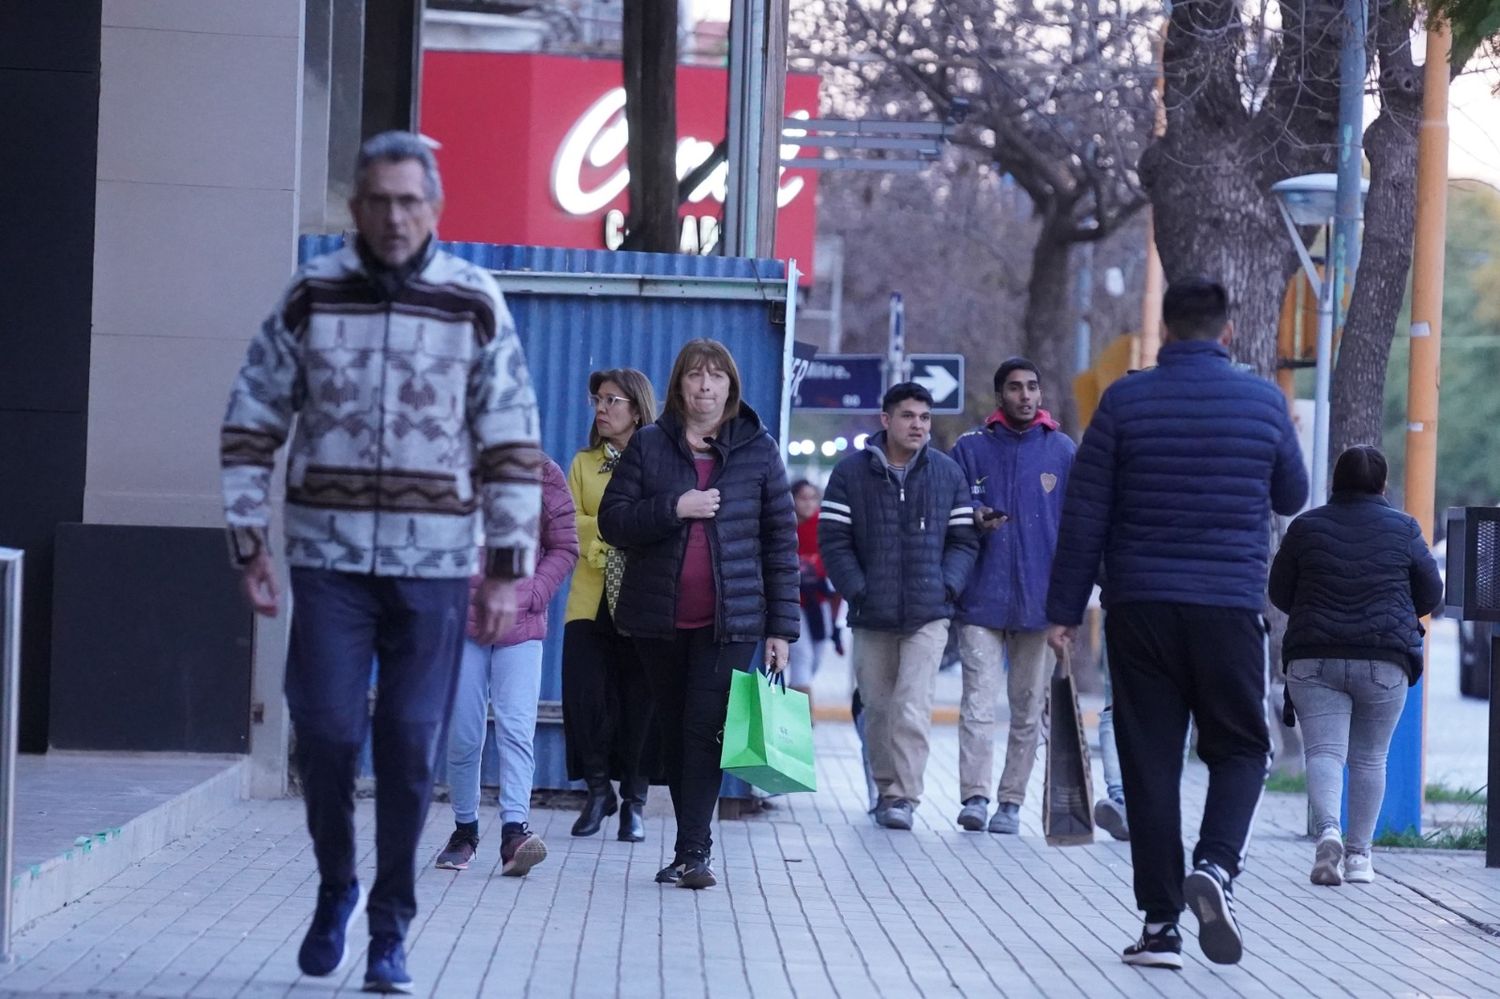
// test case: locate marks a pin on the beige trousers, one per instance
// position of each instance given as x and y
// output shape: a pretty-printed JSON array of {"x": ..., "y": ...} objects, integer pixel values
[
  {"x": 896, "y": 674},
  {"x": 984, "y": 652}
]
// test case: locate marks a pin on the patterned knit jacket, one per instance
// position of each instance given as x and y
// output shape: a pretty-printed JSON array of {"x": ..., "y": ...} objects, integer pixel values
[{"x": 415, "y": 416}]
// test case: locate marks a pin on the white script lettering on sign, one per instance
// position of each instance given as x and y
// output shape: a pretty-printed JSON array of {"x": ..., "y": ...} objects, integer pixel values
[{"x": 597, "y": 141}]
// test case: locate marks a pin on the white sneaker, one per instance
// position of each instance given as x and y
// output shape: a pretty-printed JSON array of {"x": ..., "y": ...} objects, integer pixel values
[
  {"x": 1359, "y": 869},
  {"x": 1328, "y": 863}
]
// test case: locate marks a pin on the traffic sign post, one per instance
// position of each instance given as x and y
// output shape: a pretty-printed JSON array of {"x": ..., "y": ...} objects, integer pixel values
[
  {"x": 895, "y": 354},
  {"x": 855, "y": 383}
]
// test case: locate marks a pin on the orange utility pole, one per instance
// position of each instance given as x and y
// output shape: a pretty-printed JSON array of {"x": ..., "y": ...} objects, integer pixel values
[
  {"x": 1427, "y": 282},
  {"x": 1427, "y": 297}
]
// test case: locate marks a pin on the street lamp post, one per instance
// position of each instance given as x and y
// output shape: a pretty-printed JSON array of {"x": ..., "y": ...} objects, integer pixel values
[{"x": 1310, "y": 200}]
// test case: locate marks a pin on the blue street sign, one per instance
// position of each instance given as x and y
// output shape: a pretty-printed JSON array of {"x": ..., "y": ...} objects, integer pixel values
[{"x": 844, "y": 383}]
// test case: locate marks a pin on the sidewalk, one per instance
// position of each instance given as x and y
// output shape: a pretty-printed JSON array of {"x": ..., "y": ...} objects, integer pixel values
[{"x": 814, "y": 901}]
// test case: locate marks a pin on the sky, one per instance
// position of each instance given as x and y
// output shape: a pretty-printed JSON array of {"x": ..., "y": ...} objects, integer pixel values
[{"x": 1473, "y": 150}]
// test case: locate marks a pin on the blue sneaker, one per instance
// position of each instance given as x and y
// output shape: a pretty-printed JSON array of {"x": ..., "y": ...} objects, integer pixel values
[
  {"x": 386, "y": 970},
  {"x": 326, "y": 946}
]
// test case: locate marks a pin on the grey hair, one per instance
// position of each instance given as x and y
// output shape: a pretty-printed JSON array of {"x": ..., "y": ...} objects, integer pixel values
[{"x": 397, "y": 147}]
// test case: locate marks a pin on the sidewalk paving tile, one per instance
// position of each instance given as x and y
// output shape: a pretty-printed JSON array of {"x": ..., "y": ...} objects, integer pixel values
[{"x": 814, "y": 901}]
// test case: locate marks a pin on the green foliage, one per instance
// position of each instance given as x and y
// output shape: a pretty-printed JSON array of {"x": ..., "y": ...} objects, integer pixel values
[
  {"x": 1458, "y": 838},
  {"x": 1287, "y": 783},
  {"x": 1442, "y": 793},
  {"x": 1474, "y": 22},
  {"x": 1469, "y": 406}
]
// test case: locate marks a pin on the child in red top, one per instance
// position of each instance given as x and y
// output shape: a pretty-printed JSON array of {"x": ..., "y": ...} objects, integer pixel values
[{"x": 819, "y": 602}]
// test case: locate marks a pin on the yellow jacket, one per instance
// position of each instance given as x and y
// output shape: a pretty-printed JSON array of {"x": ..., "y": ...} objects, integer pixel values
[{"x": 586, "y": 482}]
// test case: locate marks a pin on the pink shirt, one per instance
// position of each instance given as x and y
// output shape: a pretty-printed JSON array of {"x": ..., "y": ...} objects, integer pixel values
[{"x": 696, "y": 600}]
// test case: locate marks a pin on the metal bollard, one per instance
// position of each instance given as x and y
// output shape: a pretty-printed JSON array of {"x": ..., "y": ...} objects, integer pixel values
[{"x": 11, "y": 562}]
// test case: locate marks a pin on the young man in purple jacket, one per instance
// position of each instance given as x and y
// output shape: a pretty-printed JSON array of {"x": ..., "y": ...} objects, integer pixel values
[{"x": 1017, "y": 468}]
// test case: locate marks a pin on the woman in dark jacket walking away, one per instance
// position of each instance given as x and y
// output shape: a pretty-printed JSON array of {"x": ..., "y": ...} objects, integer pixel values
[
  {"x": 606, "y": 703},
  {"x": 699, "y": 504},
  {"x": 1355, "y": 576}
]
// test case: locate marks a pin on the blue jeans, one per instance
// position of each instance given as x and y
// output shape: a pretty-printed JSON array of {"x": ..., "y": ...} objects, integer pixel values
[
  {"x": 1114, "y": 784},
  {"x": 509, "y": 678},
  {"x": 1348, "y": 709},
  {"x": 340, "y": 623}
]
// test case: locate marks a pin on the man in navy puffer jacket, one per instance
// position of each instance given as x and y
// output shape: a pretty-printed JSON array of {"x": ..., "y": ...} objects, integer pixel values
[
  {"x": 897, "y": 534},
  {"x": 1173, "y": 487}
]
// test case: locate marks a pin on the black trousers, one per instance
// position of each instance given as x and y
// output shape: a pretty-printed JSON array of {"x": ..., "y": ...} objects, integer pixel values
[
  {"x": 340, "y": 623},
  {"x": 689, "y": 676},
  {"x": 606, "y": 705},
  {"x": 1168, "y": 661}
]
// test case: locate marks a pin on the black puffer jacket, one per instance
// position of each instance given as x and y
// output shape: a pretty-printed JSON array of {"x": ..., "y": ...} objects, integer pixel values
[
  {"x": 900, "y": 553},
  {"x": 1355, "y": 576},
  {"x": 753, "y": 538}
]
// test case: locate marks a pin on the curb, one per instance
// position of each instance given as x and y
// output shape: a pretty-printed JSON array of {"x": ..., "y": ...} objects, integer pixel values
[{"x": 95, "y": 859}]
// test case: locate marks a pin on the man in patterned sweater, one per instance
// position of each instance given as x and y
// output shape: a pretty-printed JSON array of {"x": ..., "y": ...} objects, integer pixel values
[{"x": 415, "y": 420}]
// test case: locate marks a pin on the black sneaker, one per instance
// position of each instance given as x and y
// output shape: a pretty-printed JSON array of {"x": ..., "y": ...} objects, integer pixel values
[
  {"x": 462, "y": 846},
  {"x": 1162, "y": 949},
  {"x": 326, "y": 946},
  {"x": 1208, "y": 892},
  {"x": 670, "y": 874},
  {"x": 697, "y": 874}
]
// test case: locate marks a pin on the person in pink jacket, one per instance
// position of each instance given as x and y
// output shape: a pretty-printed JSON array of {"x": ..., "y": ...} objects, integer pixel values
[{"x": 508, "y": 676}]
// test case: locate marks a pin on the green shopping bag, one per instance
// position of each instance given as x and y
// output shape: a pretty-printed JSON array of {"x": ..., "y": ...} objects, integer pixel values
[{"x": 768, "y": 734}]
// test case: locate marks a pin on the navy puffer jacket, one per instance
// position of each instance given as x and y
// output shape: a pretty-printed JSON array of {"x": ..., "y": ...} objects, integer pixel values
[
  {"x": 1174, "y": 485},
  {"x": 753, "y": 538},
  {"x": 1354, "y": 578},
  {"x": 899, "y": 552}
]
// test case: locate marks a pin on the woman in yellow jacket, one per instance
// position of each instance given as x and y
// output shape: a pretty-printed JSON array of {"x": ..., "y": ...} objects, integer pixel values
[{"x": 606, "y": 703}]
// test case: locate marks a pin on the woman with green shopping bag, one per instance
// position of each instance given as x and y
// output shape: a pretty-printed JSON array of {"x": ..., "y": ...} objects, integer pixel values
[{"x": 700, "y": 505}]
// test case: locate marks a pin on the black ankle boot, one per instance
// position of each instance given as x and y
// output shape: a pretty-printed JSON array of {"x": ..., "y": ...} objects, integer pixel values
[
  {"x": 596, "y": 807},
  {"x": 632, "y": 826}
]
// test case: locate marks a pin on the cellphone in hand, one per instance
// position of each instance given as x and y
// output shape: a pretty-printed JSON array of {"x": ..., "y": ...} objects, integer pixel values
[{"x": 993, "y": 515}]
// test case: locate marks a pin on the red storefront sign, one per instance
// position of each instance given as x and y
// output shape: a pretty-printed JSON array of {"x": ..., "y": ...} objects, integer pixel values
[{"x": 533, "y": 151}]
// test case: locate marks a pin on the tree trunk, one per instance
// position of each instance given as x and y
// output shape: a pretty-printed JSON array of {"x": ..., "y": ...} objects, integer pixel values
[
  {"x": 1217, "y": 222},
  {"x": 1047, "y": 328},
  {"x": 1358, "y": 392},
  {"x": 650, "y": 51},
  {"x": 1209, "y": 176}
]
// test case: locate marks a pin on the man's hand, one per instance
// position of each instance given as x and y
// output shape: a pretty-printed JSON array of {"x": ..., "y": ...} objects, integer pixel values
[
  {"x": 494, "y": 609},
  {"x": 258, "y": 584},
  {"x": 778, "y": 651},
  {"x": 985, "y": 520},
  {"x": 1060, "y": 638},
  {"x": 698, "y": 504}
]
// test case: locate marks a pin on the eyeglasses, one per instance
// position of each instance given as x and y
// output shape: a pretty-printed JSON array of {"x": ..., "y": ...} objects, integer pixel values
[{"x": 609, "y": 401}]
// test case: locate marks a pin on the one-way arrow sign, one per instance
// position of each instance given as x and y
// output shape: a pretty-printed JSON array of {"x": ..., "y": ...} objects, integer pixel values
[{"x": 943, "y": 376}]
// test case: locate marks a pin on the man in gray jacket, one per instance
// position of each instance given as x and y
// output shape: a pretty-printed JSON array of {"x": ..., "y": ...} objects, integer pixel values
[
  {"x": 415, "y": 417},
  {"x": 897, "y": 534}
]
